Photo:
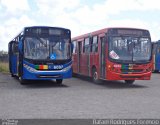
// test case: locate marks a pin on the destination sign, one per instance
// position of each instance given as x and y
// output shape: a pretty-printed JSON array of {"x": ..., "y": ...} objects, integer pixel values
[
  {"x": 123, "y": 31},
  {"x": 45, "y": 31},
  {"x": 130, "y": 32}
]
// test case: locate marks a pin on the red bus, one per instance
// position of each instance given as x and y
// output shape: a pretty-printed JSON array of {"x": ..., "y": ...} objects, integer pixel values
[{"x": 113, "y": 54}]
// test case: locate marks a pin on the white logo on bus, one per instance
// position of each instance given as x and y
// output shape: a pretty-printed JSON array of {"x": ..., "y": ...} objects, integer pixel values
[
  {"x": 58, "y": 67},
  {"x": 113, "y": 55}
]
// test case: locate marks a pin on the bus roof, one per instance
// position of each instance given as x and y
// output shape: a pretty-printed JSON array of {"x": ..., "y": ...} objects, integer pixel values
[
  {"x": 46, "y": 27},
  {"x": 13, "y": 40},
  {"x": 105, "y": 30}
]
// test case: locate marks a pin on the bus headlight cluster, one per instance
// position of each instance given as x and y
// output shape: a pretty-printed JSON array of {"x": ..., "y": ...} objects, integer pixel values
[
  {"x": 30, "y": 69},
  {"x": 149, "y": 69},
  {"x": 112, "y": 68},
  {"x": 66, "y": 68}
]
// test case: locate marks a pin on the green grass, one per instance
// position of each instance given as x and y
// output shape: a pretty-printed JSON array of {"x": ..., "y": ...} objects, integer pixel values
[{"x": 4, "y": 67}]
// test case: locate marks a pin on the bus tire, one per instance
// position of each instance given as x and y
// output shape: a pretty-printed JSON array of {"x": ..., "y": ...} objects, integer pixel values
[
  {"x": 95, "y": 76},
  {"x": 12, "y": 75},
  {"x": 22, "y": 81},
  {"x": 59, "y": 81},
  {"x": 156, "y": 71},
  {"x": 129, "y": 82}
]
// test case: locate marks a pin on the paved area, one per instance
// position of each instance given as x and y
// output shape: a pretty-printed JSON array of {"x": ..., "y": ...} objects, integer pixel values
[{"x": 79, "y": 98}]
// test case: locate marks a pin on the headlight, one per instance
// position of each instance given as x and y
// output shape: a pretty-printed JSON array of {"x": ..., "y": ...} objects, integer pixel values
[
  {"x": 30, "y": 69},
  {"x": 66, "y": 68}
]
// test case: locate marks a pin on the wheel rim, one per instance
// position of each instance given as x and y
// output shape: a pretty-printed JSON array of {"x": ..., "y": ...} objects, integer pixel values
[
  {"x": 95, "y": 76},
  {"x": 20, "y": 78}
]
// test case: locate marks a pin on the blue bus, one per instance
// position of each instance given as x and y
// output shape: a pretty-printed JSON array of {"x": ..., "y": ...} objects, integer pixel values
[
  {"x": 41, "y": 53},
  {"x": 156, "y": 56}
]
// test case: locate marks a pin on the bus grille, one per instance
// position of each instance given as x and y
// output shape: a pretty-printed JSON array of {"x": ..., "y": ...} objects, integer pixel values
[
  {"x": 49, "y": 76},
  {"x": 130, "y": 76},
  {"x": 131, "y": 70}
]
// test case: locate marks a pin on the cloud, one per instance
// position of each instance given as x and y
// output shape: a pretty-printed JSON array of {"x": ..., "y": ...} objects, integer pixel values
[
  {"x": 13, "y": 6},
  {"x": 117, "y": 6},
  {"x": 56, "y": 7},
  {"x": 77, "y": 16},
  {"x": 13, "y": 9},
  {"x": 128, "y": 23},
  {"x": 11, "y": 28},
  {"x": 90, "y": 18},
  {"x": 82, "y": 18}
]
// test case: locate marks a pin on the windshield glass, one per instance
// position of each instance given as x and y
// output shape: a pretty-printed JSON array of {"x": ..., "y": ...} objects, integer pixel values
[
  {"x": 130, "y": 49},
  {"x": 53, "y": 47}
]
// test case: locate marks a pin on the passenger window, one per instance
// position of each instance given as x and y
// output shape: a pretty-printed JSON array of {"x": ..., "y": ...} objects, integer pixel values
[
  {"x": 86, "y": 48},
  {"x": 74, "y": 47},
  {"x": 15, "y": 47},
  {"x": 95, "y": 44}
]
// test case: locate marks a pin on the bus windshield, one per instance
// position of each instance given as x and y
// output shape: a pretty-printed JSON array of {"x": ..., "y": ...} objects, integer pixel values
[
  {"x": 130, "y": 49},
  {"x": 42, "y": 48}
]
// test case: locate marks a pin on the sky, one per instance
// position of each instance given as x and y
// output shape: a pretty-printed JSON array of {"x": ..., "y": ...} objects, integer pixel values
[{"x": 80, "y": 16}]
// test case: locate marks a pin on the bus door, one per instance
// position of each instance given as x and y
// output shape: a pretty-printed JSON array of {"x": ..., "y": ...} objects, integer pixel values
[
  {"x": 10, "y": 54},
  {"x": 88, "y": 64},
  {"x": 79, "y": 55},
  {"x": 157, "y": 57},
  {"x": 86, "y": 56},
  {"x": 102, "y": 57},
  {"x": 14, "y": 58}
]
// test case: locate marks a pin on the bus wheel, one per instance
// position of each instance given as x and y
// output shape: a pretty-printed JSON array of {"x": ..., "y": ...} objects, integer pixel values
[
  {"x": 12, "y": 75},
  {"x": 59, "y": 81},
  {"x": 129, "y": 82},
  {"x": 156, "y": 71},
  {"x": 22, "y": 81},
  {"x": 95, "y": 76}
]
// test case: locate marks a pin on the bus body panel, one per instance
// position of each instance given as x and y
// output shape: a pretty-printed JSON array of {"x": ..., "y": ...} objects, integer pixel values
[
  {"x": 21, "y": 67},
  {"x": 156, "y": 56},
  {"x": 157, "y": 61},
  {"x": 84, "y": 65},
  {"x": 117, "y": 76},
  {"x": 30, "y": 72},
  {"x": 94, "y": 57},
  {"x": 74, "y": 64},
  {"x": 14, "y": 64},
  {"x": 100, "y": 60},
  {"x": 128, "y": 71}
]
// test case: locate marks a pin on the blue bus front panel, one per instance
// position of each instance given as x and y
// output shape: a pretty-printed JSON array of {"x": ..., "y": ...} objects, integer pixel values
[
  {"x": 31, "y": 73},
  {"x": 157, "y": 61}
]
